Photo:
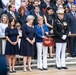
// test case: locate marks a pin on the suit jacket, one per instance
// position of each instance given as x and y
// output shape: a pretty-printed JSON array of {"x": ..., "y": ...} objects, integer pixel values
[
  {"x": 51, "y": 4},
  {"x": 72, "y": 23},
  {"x": 38, "y": 32},
  {"x": 35, "y": 20},
  {"x": 30, "y": 7},
  {"x": 22, "y": 19},
  {"x": 53, "y": 1},
  {"x": 68, "y": 6},
  {"x": 55, "y": 8},
  {"x": 42, "y": 6},
  {"x": 10, "y": 16}
]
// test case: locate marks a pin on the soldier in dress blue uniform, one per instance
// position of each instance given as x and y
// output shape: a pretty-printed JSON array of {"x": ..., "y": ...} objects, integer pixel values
[{"x": 61, "y": 32}]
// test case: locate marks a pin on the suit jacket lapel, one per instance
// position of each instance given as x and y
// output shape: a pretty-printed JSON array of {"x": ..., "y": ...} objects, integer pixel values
[{"x": 73, "y": 15}]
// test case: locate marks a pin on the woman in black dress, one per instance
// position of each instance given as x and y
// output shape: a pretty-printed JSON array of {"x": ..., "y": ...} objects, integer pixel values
[
  {"x": 49, "y": 18},
  {"x": 27, "y": 42},
  {"x": 12, "y": 48}
]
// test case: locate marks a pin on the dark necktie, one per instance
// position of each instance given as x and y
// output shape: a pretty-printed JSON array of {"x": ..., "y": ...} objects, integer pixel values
[
  {"x": 42, "y": 30},
  {"x": 75, "y": 15}
]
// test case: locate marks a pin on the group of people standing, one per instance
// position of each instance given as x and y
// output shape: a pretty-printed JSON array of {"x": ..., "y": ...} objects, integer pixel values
[
  {"x": 30, "y": 34},
  {"x": 42, "y": 20}
]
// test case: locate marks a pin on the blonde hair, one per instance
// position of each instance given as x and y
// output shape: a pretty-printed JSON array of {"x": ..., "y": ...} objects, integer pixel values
[
  {"x": 40, "y": 18},
  {"x": 18, "y": 25},
  {"x": 4, "y": 15}
]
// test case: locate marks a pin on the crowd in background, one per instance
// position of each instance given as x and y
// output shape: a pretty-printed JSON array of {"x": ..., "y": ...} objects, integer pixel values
[{"x": 32, "y": 20}]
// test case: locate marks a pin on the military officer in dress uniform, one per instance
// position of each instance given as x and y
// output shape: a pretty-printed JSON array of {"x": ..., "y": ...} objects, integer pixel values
[{"x": 61, "y": 33}]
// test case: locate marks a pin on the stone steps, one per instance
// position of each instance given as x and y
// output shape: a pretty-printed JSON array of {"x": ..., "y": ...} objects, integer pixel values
[{"x": 51, "y": 62}]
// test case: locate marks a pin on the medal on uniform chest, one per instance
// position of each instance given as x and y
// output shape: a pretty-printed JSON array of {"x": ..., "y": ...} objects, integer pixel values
[
  {"x": 64, "y": 27},
  {"x": 65, "y": 24}
]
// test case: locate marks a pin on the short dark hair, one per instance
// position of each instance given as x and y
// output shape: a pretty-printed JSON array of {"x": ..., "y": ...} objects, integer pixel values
[
  {"x": 35, "y": 1},
  {"x": 36, "y": 6},
  {"x": 10, "y": 6}
]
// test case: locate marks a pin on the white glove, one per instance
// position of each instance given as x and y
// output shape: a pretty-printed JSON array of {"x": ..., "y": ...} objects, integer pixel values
[
  {"x": 64, "y": 37},
  {"x": 51, "y": 32},
  {"x": 46, "y": 33}
]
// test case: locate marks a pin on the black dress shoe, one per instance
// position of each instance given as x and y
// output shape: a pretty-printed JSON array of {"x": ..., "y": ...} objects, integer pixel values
[
  {"x": 75, "y": 55},
  {"x": 45, "y": 69},
  {"x": 72, "y": 55},
  {"x": 59, "y": 68},
  {"x": 10, "y": 71},
  {"x": 51, "y": 57},
  {"x": 64, "y": 68},
  {"x": 14, "y": 71},
  {"x": 41, "y": 69}
]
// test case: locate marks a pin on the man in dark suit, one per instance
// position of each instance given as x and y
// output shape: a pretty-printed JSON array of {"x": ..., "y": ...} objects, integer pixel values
[
  {"x": 58, "y": 2},
  {"x": 72, "y": 30},
  {"x": 12, "y": 12},
  {"x": 7, "y": 10},
  {"x": 42, "y": 5},
  {"x": 36, "y": 12},
  {"x": 53, "y": 1},
  {"x": 31, "y": 6},
  {"x": 70, "y": 2},
  {"x": 49, "y": 3}
]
